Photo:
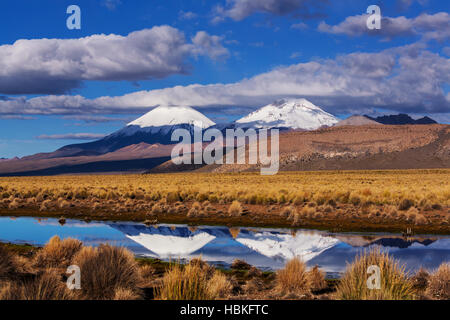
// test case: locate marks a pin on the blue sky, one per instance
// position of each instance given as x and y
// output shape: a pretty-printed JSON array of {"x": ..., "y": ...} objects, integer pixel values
[{"x": 239, "y": 54}]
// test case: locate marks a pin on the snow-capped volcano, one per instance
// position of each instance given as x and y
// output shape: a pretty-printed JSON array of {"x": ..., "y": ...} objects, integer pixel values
[
  {"x": 170, "y": 116},
  {"x": 155, "y": 127},
  {"x": 289, "y": 113}
]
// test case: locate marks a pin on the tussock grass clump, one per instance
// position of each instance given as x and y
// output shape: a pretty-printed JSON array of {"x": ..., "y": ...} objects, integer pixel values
[
  {"x": 405, "y": 204},
  {"x": 14, "y": 204},
  {"x": 412, "y": 214},
  {"x": 293, "y": 277},
  {"x": 235, "y": 209},
  {"x": 439, "y": 282},
  {"x": 391, "y": 211},
  {"x": 316, "y": 279},
  {"x": 394, "y": 283},
  {"x": 308, "y": 212},
  {"x": 47, "y": 286},
  {"x": 125, "y": 294},
  {"x": 288, "y": 212},
  {"x": 45, "y": 205},
  {"x": 7, "y": 265},
  {"x": 192, "y": 282},
  {"x": 421, "y": 220},
  {"x": 238, "y": 264},
  {"x": 57, "y": 253},
  {"x": 254, "y": 285},
  {"x": 420, "y": 280},
  {"x": 218, "y": 286},
  {"x": 195, "y": 210},
  {"x": 106, "y": 269}
]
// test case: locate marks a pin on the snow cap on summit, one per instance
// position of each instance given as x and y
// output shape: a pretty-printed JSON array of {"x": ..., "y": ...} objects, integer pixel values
[{"x": 171, "y": 116}]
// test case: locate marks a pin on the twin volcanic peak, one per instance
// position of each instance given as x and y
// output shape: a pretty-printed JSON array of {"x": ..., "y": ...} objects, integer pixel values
[
  {"x": 285, "y": 113},
  {"x": 157, "y": 126},
  {"x": 289, "y": 114}
]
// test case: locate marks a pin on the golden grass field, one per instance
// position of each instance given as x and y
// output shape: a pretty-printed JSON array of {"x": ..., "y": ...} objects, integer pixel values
[
  {"x": 379, "y": 187},
  {"x": 404, "y": 197}
]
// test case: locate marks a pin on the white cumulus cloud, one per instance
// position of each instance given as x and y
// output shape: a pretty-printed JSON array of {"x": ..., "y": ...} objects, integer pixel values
[{"x": 54, "y": 66}]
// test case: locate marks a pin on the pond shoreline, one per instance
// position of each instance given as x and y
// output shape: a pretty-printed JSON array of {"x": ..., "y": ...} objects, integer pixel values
[{"x": 252, "y": 216}]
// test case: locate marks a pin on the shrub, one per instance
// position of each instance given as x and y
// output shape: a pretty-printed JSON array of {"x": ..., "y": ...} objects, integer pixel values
[
  {"x": 394, "y": 284},
  {"x": 254, "y": 285},
  {"x": 439, "y": 282},
  {"x": 218, "y": 286},
  {"x": 45, "y": 205},
  {"x": 316, "y": 279},
  {"x": 195, "y": 210},
  {"x": 420, "y": 280},
  {"x": 57, "y": 253},
  {"x": 293, "y": 277},
  {"x": 436, "y": 206},
  {"x": 188, "y": 283},
  {"x": 421, "y": 220},
  {"x": 125, "y": 294},
  {"x": 355, "y": 200},
  {"x": 405, "y": 204},
  {"x": 157, "y": 208},
  {"x": 288, "y": 212},
  {"x": 238, "y": 264},
  {"x": 14, "y": 204},
  {"x": 47, "y": 286},
  {"x": 412, "y": 214},
  {"x": 106, "y": 269},
  {"x": 173, "y": 197},
  {"x": 235, "y": 209},
  {"x": 308, "y": 212},
  {"x": 6, "y": 262}
]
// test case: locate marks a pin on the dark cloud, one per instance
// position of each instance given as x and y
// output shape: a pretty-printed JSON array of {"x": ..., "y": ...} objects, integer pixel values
[
  {"x": 72, "y": 136},
  {"x": 429, "y": 26},
  {"x": 241, "y": 9},
  {"x": 97, "y": 119}
]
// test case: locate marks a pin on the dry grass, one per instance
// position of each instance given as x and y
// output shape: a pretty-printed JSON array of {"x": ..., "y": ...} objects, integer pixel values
[
  {"x": 125, "y": 294},
  {"x": 316, "y": 279},
  {"x": 439, "y": 283},
  {"x": 195, "y": 281},
  {"x": 188, "y": 283},
  {"x": 57, "y": 253},
  {"x": 235, "y": 209},
  {"x": 293, "y": 277},
  {"x": 106, "y": 269},
  {"x": 218, "y": 286},
  {"x": 380, "y": 187},
  {"x": 47, "y": 286},
  {"x": 394, "y": 283},
  {"x": 7, "y": 266},
  {"x": 288, "y": 212}
]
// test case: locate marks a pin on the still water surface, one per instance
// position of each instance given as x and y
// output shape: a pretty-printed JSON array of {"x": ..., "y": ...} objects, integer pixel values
[{"x": 267, "y": 249}]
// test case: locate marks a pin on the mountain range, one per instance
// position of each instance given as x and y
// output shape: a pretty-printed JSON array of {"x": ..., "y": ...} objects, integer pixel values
[{"x": 145, "y": 143}]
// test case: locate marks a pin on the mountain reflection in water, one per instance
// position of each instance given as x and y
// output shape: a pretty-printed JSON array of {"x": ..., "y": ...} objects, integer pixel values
[{"x": 264, "y": 248}]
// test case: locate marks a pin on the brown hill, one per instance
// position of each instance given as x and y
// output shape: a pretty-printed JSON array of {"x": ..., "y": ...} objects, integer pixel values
[
  {"x": 135, "y": 158},
  {"x": 356, "y": 121},
  {"x": 354, "y": 148},
  {"x": 336, "y": 148}
]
